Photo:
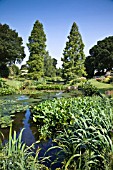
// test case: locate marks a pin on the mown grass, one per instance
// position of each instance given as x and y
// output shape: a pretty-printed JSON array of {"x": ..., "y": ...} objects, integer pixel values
[
  {"x": 13, "y": 83},
  {"x": 103, "y": 87}
]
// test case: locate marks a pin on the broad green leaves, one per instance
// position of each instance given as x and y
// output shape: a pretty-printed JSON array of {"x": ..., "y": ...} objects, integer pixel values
[
  {"x": 60, "y": 113},
  {"x": 82, "y": 128}
]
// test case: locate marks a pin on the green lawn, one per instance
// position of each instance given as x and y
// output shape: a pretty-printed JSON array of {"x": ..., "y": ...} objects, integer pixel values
[
  {"x": 13, "y": 83},
  {"x": 101, "y": 86}
]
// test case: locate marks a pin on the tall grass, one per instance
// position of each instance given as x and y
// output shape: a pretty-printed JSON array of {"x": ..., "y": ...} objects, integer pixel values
[{"x": 15, "y": 155}]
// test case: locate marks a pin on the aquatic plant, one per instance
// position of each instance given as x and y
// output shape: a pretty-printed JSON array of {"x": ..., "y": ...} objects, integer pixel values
[
  {"x": 8, "y": 109},
  {"x": 16, "y": 154},
  {"x": 82, "y": 128},
  {"x": 54, "y": 115}
]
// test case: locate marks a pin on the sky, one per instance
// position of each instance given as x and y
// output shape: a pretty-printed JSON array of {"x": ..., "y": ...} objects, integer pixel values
[{"x": 94, "y": 19}]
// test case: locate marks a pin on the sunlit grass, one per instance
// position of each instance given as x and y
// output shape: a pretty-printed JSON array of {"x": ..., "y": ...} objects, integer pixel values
[
  {"x": 101, "y": 86},
  {"x": 13, "y": 83}
]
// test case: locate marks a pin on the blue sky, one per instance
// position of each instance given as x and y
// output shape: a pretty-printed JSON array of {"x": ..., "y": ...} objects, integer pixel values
[{"x": 93, "y": 17}]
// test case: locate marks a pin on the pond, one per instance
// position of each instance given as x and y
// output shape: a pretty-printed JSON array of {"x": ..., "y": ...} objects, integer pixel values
[{"x": 23, "y": 119}]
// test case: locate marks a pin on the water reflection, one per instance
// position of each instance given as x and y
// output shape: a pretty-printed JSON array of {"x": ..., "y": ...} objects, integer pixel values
[
  {"x": 21, "y": 120},
  {"x": 28, "y": 136}
]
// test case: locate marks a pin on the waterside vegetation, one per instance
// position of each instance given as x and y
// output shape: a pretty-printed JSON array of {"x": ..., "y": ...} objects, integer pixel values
[{"x": 78, "y": 124}]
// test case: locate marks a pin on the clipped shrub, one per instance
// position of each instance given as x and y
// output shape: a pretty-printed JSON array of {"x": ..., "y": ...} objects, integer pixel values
[
  {"x": 7, "y": 91},
  {"x": 50, "y": 87}
]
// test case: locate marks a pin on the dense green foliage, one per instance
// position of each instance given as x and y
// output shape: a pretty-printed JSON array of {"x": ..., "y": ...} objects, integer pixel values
[
  {"x": 83, "y": 130},
  {"x": 6, "y": 89},
  {"x": 4, "y": 70},
  {"x": 73, "y": 60},
  {"x": 11, "y": 49},
  {"x": 101, "y": 57},
  {"x": 49, "y": 68},
  {"x": 14, "y": 70},
  {"x": 37, "y": 47},
  {"x": 59, "y": 113},
  {"x": 88, "y": 89},
  {"x": 50, "y": 87}
]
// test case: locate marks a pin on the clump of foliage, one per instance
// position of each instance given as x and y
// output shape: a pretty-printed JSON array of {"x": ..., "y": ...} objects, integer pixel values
[
  {"x": 14, "y": 71},
  {"x": 50, "y": 87},
  {"x": 82, "y": 128},
  {"x": 26, "y": 84},
  {"x": 4, "y": 70},
  {"x": 6, "y": 89},
  {"x": 7, "y": 110},
  {"x": 11, "y": 45},
  {"x": 58, "y": 113},
  {"x": 88, "y": 89},
  {"x": 101, "y": 57}
]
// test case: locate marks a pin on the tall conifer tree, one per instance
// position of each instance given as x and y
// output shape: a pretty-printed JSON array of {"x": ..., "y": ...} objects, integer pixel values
[
  {"x": 37, "y": 49},
  {"x": 73, "y": 55}
]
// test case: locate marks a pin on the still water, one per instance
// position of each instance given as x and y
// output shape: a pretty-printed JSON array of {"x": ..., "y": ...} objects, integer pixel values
[{"x": 23, "y": 119}]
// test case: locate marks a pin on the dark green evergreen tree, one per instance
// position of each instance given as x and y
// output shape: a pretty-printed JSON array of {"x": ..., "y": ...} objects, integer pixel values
[
  {"x": 73, "y": 55},
  {"x": 37, "y": 49}
]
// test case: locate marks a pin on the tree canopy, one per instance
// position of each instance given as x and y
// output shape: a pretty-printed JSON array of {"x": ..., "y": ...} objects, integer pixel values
[
  {"x": 11, "y": 46},
  {"x": 49, "y": 66},
  {"x": 101, "y": 57},
  {"x": 73, "y": 60},
  {"x": 37, "y": 49}
]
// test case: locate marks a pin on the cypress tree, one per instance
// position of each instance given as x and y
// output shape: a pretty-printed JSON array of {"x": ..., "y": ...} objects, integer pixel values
[
  {"x": 37, "y": 49},
  {"x": 73, "y": 55}
]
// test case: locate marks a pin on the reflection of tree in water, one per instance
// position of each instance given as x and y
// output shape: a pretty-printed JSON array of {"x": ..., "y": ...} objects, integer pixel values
[
  {"x": 28, "y": 136},
  {"x": 18, "y": 121}
]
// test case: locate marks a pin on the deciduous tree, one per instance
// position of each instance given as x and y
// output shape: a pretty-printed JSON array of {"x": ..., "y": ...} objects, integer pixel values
[
  {"x": 101, "y": 57},
  {"x": 11, "y": 46}
]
